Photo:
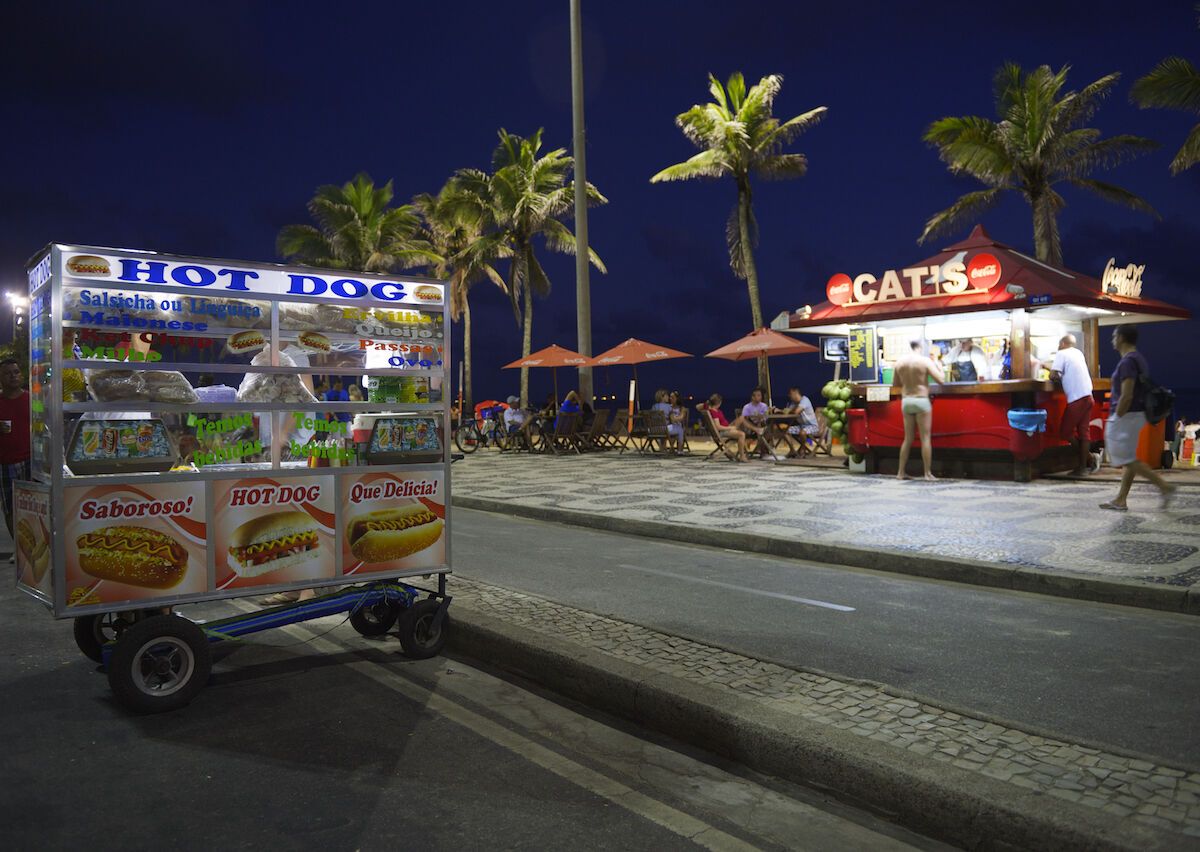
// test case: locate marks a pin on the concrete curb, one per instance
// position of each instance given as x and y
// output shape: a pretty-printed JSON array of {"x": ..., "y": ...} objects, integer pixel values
[
  {"x": 962, "y": 807},
  {"x": 969, "y": 571}
]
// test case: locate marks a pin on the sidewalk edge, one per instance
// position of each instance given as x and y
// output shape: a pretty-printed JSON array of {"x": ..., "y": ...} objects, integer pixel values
[
  {"x": 929, "y": 796},
  {"x": 967, "y": 571}
]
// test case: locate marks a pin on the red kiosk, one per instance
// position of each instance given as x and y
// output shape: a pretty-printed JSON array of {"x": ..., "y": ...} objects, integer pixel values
[{"x": 1016, "y": 308}]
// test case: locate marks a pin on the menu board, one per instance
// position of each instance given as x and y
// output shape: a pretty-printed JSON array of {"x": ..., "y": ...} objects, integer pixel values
[
  {"x": 864, "y": 356},
  {"x": 131, "y": 543},
  {"x": 393, "y": 522},
  {"x": 273, "y": 531}
]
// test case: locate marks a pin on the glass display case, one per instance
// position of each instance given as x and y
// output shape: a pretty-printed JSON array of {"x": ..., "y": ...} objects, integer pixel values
[{"x": 203, "y": 427}]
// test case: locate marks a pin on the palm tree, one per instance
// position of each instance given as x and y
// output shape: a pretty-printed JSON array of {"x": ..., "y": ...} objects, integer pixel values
[
  {"x": 456, "y": 234},
  {"x": 357, "y": 229},
  {"x": 739, "y": 137},
  {"x": 527, "y": 196},
  {"x": 1174, "y": 84},
  {"x": 1036, "y": 143}
]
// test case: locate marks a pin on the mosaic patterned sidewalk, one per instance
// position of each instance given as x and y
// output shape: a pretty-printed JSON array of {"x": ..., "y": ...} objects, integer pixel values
[
  {"x": 1157, "y": 795},
  {"x": 1047, "y": 524}
]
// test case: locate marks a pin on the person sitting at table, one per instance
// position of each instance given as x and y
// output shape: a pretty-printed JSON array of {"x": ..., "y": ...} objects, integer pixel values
[
  {"x": 570, "y": 405},
  {"x": 805, "y": 425},
  {"x": 662, "y": 402},
  {"x": 755, "y": 414},
  {"x": 516, "y": 418},
  {"x": 737, "y": 429},
  {"x": 677, "y": 419}
]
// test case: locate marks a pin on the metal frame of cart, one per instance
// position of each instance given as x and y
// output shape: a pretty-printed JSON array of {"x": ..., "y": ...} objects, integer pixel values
[{"x": 110, "y": 627}]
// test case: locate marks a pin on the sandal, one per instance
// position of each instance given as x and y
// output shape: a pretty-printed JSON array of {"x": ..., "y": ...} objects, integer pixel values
[{"x": 1115, "y": 507}]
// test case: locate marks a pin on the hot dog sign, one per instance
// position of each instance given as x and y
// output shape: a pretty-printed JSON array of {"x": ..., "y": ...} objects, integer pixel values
[
  {"x": 273, "y": 532},
  {"x": 393, "y": 521},
  {"x": 126, "y": 542}
]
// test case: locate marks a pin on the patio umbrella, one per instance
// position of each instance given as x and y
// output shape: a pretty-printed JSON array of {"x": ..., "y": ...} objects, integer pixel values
[
  {"x": 553, "y": 356},
  {"x": 764, "y": 342},
  {"x": 634, "y": 352}
]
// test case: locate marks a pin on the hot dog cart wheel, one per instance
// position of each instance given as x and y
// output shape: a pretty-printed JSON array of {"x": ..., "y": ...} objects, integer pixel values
[
  {"x": 374, "y": 619},
  {"x": 93, "y": 632},
  {"x": 423, "y": 628},
  {"x": 159, "y": 664}
]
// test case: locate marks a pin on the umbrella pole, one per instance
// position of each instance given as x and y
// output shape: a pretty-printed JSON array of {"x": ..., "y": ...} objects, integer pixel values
[
  {"x": 768, "y": 360},
  {"x": 556, "y": 403}
]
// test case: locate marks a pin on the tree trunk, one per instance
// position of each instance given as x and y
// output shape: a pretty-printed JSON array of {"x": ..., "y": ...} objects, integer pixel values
[
  {"x": 1045, "y": 230},
  {"x": 526, "y": 343},
  {"x": 468, "y": 397},
  {"x": 751, "y": 269}
]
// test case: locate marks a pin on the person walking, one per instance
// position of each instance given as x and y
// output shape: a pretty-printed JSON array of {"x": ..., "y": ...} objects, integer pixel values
[
  {"x": 1070, "y": 369},
  {"x": 911, "y": 374},
  {"x": 14, "y": 433},
  {"x": 1127, "y": 417}
]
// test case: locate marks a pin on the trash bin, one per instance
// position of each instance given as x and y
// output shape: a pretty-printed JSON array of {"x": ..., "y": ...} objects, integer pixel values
[
  {"x": 856, "y": 429},
  {"x": 1150, "y": 443},
  {"x": 1027, "y": 425}
]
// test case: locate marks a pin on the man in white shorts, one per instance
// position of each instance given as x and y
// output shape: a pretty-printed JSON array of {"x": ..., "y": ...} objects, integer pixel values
[{"x": 911, "y": 374}]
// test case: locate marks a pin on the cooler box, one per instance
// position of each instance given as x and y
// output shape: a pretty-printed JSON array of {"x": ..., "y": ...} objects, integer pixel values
[{"x": 1150, "y": 443}]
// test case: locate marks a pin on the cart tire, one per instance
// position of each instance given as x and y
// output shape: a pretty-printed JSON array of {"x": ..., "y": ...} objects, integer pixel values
[
  {"x": 415, "y": 625},
  {"x": 93, "y": 632},
  {"x": 374, "y": 619},
  {"x": 160, "y": 664}
]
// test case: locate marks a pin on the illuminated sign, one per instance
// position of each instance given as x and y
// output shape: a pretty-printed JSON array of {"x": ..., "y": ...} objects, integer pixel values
[
  {"x": 1122, "y": 281},
  {"x": 953, "y": 278}
]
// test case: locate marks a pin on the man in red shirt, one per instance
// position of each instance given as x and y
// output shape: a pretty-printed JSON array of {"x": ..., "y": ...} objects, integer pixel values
[{"x": 14, "y": 433}]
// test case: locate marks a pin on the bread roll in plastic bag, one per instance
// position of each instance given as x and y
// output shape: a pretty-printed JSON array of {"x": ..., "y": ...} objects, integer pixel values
[
  {"x": 273, "y": 387},
  {"x": 170, "y": 386},
  {"x": 115, "y": 385}
]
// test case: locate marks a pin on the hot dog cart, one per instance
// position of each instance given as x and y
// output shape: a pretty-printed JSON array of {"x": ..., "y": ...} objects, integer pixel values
[
  {"x": 182, "y": 451},
  {"x": 1003, "y": 418}
]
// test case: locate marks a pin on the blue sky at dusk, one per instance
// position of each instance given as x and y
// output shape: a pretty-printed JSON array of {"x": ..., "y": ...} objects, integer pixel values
[{"x": 201, "y": 129}]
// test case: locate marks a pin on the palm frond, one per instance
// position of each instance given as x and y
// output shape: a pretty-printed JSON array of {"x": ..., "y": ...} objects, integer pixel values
[
  {"x": 1115, "y": 194},
  {"x": 538, "y": 281},
  {"x": 966, "y": 210},
  {"x": 972, "y": 145},
  {"x": 739, "y": 249},
  {"x": 1189, "y": 154},
  {"x": 560, "y": 239},
  {"x": 707, "y": 164},
  {"x": 791, "y": 129},
  {"x": 781, "y": 166},
  {"x": 1173, "y": 84},
  {"x": 305, "y": 244},
  {"x": 1105, "y": 153}
]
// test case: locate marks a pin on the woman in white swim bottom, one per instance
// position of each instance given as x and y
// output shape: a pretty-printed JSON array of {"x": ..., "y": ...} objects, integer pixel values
[{"x": 918, "y": 417}]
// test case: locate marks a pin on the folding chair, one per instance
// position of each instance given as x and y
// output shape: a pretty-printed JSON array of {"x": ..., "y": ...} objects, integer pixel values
[
  {"x": 685, "y": 422},
  {"x": 655, "y": 431},
  {"x": 714, "y": 435},
  {"x": 593, "y": 438},
  {"x": 823, "y": 440},
  {"x": 563, "y": 438},
  {"x": 618, "y": 435}
]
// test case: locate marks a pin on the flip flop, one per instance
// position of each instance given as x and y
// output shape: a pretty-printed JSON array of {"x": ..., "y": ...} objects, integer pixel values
[{"x": 1114, "y": 507}]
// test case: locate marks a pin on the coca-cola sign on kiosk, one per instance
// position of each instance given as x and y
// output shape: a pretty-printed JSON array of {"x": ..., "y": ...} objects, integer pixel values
[
  {"x": 838, "y": 290},
  {"x": 983, "y": 271},
  {"x": 955, "y": 277}
]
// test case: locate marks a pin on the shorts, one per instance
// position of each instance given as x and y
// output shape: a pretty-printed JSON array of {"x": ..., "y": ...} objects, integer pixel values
[
  {"x": 915, "y": 405},
  {"x": 805, "y": 430},
  {"x": 1076, "y": 419},
  {"x": 675, "y": 430},
  {"x": 1121, "y": 437}
]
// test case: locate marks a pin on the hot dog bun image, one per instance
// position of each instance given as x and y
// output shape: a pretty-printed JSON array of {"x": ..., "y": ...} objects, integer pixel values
[
  {"x": 427, "y": 293},
  {"x": 33, "y": 548},
  {"x": 135, "y": 556},
  {"x": 389, "y": 534},
  {"x": 314, "y": 340},
  {"x": 246, "y": 341},
  {"x": 271, "y": 542},
  {"x": 88, "y": 264}
]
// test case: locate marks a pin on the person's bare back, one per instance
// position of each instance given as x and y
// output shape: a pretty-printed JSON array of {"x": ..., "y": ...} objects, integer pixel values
[{"x": 912, "y": 373}]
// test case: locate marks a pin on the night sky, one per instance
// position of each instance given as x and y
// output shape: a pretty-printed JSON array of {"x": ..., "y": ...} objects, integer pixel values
[{"x": 200, "y": 129}]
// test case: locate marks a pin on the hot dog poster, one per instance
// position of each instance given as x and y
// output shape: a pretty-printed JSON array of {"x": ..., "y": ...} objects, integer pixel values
[
  {"x": 134, "y": 542},
  {"x": 393, "y": 522},
  {"x": 31, "y": 531},
  {"x": 269, "y": 532}
]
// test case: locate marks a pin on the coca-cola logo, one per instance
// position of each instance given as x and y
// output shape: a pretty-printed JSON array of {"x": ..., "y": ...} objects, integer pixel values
[
  {"x": 983, "y": 271},
  {"x": 839, "y": 289}
]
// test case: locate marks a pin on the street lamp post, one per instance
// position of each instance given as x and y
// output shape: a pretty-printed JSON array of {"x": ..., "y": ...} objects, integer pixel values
[{"x": 583, "y": 297}]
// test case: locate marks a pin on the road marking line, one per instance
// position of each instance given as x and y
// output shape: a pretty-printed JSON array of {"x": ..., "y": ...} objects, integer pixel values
[
  {"x": 737, "y": 588},
  {"x": 672, "y": 819}
]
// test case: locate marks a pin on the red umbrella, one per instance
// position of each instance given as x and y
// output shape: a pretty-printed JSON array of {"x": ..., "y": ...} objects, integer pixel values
[
  {"x": 763, "y": 342},
  {"x": 552, "y": 356},
  {"x": 634, "y": 352}
]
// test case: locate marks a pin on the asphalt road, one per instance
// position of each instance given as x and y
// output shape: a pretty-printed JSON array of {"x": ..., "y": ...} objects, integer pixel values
[
  {"x": 315, "y": 738},
  {"x": 1106, "y": 675}
]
